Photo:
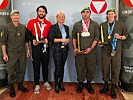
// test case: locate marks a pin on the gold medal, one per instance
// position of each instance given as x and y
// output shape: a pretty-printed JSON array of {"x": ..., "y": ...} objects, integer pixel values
[
  {"x": 109, "y": 37},
  {"x": 113, "y": 53},
  {"x": 18, "y": 34}
]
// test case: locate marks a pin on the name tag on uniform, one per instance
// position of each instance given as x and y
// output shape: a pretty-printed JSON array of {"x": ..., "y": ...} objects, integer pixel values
[{"x": 85, "y": 34}]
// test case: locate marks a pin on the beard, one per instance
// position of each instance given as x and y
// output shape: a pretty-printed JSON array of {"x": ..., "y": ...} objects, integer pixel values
[{"x": 41, "y": 17}]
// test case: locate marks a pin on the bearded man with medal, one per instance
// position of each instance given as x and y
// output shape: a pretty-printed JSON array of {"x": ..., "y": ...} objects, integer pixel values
[
  {"x": 114, "y": 32},
  {"x": 88, "y": 31},
  {"x": 38, "y": 30}
]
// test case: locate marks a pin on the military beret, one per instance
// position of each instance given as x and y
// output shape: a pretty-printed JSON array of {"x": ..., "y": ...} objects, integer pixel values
[
  {"x": 14, "y": 11},
  {"x": 86, "y": 8},
  {"x": 110, "y": 10}
]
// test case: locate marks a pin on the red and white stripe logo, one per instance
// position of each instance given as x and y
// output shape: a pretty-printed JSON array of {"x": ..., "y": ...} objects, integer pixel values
[
  {"x": 128, "y": 3},
  {"x": 98, "y": 6},
  {"x": 3, "y": 3}
]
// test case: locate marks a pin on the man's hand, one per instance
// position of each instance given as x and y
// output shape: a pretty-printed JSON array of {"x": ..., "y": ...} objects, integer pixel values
[
  {"x": 63, "y": 40},
  {"x": 117, "y": 36},
  {"x": 46, "y": 40},
  {"x": 88, "y": 50},
  {"x": 75, "y": 50},
  {"x": 67, "y": 40},
  {"x": 100, "y": 44},
  {"x": 35, "y": 43},
  {"x": 5, "y": 57}
]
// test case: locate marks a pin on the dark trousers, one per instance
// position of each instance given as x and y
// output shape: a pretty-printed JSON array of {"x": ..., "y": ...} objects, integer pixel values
[
  {"x": 111, "y": 65},
  {"x": 40, "y": 58},
  {"x": 59, "y": 61}
]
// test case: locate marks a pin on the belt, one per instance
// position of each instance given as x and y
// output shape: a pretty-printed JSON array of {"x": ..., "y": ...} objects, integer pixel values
[{"x": 63, "y": 46}]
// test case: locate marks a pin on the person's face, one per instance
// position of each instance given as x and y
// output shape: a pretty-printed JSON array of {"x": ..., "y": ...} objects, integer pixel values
[
  {"x": 86, "y": 14},
  {"x": 41, "y": 13},
  {"x": 111, "y": 16},
  {"x": 15, "y": 17},
  {"x": 60, "y": 18}
]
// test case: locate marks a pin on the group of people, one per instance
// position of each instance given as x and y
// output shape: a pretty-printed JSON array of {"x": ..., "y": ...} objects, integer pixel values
[{"x": 16, "y": 37}]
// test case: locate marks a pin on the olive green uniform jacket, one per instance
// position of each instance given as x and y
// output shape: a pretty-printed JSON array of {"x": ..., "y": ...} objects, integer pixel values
[
  {"x": 107, "y": 59},
  {"x": 15, "y": 38},
  {"x": 86, "y": 60}
]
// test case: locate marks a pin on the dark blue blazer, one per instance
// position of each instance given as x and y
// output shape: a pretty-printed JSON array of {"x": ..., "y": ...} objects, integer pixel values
[{"x": 56, "y": 33}]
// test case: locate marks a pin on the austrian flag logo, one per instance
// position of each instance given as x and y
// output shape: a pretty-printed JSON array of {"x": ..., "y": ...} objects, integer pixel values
[
  {"x": 98, "y": 6},
  {"x": 3, "y": 3},
  {"x": 128, "y": 3}
]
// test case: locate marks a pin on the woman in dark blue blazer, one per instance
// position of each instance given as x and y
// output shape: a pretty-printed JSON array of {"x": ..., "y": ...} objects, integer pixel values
[{"x": 59, "y": 37}]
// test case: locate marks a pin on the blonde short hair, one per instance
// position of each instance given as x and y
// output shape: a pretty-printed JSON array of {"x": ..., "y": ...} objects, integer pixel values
[{"x": 59, "y": 13}]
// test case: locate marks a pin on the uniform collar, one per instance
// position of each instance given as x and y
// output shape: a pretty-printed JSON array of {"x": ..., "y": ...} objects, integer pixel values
[
  {"x": 90, "y": 21},
  {"x": 14, "y": 25}
]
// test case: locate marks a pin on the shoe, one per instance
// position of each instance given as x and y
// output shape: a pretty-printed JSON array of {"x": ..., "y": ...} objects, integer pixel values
[
  {"x": 61, "y": 85},
  {"x": 12, "y": 92},
  {"x": 57, "y": 85},
  {"x": 47, "y": 85},
  {"x": 37, "y": 89},
  {"x": 80, "y": 87},
  {"x": 105, "y": 89},
  {"x": 89, "y": 87},
  {"x": 113, "y": 93},
  {"x": 21, "y": 87}
]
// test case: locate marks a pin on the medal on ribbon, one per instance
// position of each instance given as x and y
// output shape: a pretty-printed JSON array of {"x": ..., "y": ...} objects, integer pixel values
[
  {"x": 85, "y": 34},
  {"x": 113, "y": 53},
  {"x": 42, "y": 29},
  {"x": 110, "y": 31},
  {"x": 109, "y": 37},
  {"x": 18, "y": 34}
]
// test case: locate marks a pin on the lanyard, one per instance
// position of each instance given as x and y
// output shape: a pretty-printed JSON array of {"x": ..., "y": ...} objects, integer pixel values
[
  {"x": 110, "y": 31},
  {"x": 60, "y": 28},
  {"x": 86, "y": 28},
  {"x": 63, "y": 32},
  {"x": 41, "y": 28}
]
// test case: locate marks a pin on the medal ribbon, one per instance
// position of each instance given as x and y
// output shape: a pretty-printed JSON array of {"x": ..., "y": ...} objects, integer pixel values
[
  {"x": 113, "y": 43},
  {"x": 41, "y": 28},
  {"x": 110, "y": 31},
  {"x": 85, "y": 26}
]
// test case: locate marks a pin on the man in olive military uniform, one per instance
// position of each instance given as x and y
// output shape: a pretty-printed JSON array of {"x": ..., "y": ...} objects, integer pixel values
[
  {"x": 88, "y": 31},
  {"x": 14, "y": 42},
  {"x": 114, "y": 32}
]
